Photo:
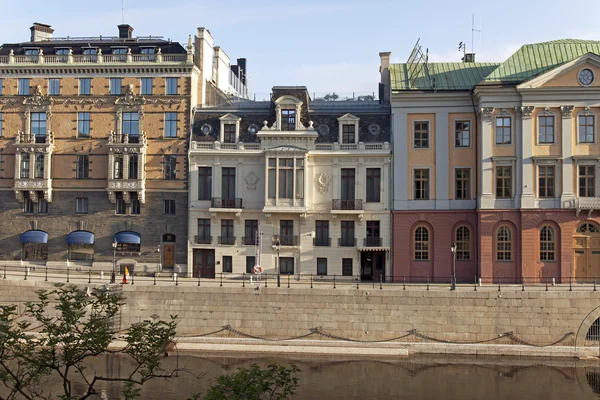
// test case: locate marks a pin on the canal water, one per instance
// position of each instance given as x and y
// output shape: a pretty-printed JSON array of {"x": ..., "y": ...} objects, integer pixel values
[{"x": 413, "y": 378}]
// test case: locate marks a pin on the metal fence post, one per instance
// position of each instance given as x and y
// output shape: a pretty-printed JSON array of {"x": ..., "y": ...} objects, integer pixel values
[
  {"x": 570, "y": 284},
  {"x": 243, "y": 279},
  {"x": 546, "y": 284},
  {"x": 475, "y": 284},
  {"x": 90, "y": 276},
  {"x": 25, "y": 278},
  {"x": 311, "y": 285},
  {"x": 46, "y": 274},
  {"x": 221, "y": 284},
  {"x": 334, "y": 281},
  {"x": 5, "y": 271},
  {"x": 132, "y": 276},
  {"x": 523, "y": 282},
  {"x": 288, "y": 281},
  {"x": 266, "y": 279},
  {"x": 357, "y": 277},
  {"x": 67, "y": 274},
  {"x": 404, "y": 283},
  {"x": 380, "y": 282},
  {"x": 155, "y": 279},
  {"x": 176, "y": 280},
  {"x": 427, "y": 283},
  {"x": 594, "y": 284},
  {"x": 499, "y": 283}
]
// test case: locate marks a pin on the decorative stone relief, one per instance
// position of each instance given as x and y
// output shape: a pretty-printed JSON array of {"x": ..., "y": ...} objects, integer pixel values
[
  {"x": 38, "y": 99},
  {"x": 252, "y": 129},
  {"x": 567, "y": 111},
  {"x": 323, "y": 130},
  {"x": 251, "y": 181},
  {"x": 206, "y": 129},
  {"x": 322, "y": 182},
  {"x": 525, "y": 111},
  {"x": 83, "y": 101},
  {"x": 130, "y": 99},
  {"x": 374, "y": 129},
  {"x": 486, "y": 113}
]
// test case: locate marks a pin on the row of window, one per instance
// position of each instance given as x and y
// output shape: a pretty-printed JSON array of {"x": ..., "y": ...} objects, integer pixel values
[
  {"x": 462, "y": 184},
  {"x": 286, "y": 181},
  {"x": 129, "y": 124},
  {"x": 286, "y": 265},
  {"x": 116, "y": 86},
  {"x": 286, "y": 235},
  {"x": 81, "y": 205},
  {"x": 503, "y": 131},
  {"x": 504, "y": 244}
]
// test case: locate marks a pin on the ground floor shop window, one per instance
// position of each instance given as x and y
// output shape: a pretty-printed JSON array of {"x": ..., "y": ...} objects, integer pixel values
[
  {"x": 35, "y": 251},
  {"x": 81, "y": 252},
  {"x": 286, "y": 265}
]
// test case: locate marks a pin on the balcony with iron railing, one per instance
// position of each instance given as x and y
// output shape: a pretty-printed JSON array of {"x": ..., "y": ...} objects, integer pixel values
[
  {"x": 346, "y": 205},
  {"x": 285, "y": 240},
  {"x": 221, "y": 203},
  {"x": 322, "y": 242},
  {"x": 347, "y": 242},
  {"x": 227, "y": 240},
  {"x": 373, "y": 241},
  {"x": 249, "y": 241},
  {"x": 201, "y": 239}
]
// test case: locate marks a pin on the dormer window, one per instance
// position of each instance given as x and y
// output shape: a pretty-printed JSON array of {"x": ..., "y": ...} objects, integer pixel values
[
  {"x": 348, "y": 132},
  {"x": 230, "y": 129},
  {"x": 148, "y": 50},
  {"x": 119, "y": 50},
  {"x": 32, "y": 52},
  {"x": 288, "y": 109},
  {"x": 288, "y": 120},
  {"x": 90, "y": 51},
  {"x": 63, "y": 54}
]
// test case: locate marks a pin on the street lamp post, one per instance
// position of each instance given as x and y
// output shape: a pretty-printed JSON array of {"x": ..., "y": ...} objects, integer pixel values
[
  {"x": 113, "y": 276},
  {"x": 453, "y": 279},
  {"x": 277, "y": 248}
]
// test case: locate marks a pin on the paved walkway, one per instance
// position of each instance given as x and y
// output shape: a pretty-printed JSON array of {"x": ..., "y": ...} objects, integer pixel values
[{"x": 85, "y": 277}]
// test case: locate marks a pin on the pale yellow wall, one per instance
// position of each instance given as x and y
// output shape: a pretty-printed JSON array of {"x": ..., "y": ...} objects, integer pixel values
[
  {"x": 547, "y": 149},
  {"x": 461, "y": 157},
  {"x": 585, "y": 149},
  {"x": 569, "y": 77},
  {"x": 421, "y": 157}
]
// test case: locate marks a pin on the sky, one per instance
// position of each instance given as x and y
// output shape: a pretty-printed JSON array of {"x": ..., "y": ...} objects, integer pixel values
[{"x": 325, "y": 45}]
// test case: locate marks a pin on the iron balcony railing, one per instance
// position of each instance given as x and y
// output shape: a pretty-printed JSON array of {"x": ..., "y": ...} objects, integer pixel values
[
  {"x": 249, "y": 241},
  {"x": 285, "y": 240},
  {"x": 373, "y": 242},
  {"x": 203, "y": 239},
  {"x": 218, "y": 202},
  {"x": 227, "y": 240},
  {"x": 339, "y": 204},
  {"x": 347, "y": 242},
  {"x": 322, "y": 242}
]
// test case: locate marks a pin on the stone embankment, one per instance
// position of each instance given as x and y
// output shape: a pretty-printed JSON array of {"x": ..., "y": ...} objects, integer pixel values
[{"x": 361, "y": 322}]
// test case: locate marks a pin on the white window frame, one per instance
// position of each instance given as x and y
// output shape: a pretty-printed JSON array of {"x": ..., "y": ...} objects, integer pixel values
[
  {"x": 430, "y": 189},
  {"x": 587, "y": 113},
  {"x": 505, "y": 162},
  {"x": 348, "y": 119},
  {"x": 228, "y": 119},
  {"x": 546, "y": 113},
  {"x": 454, "y": 133},
  {"x": 512, "y": 128},
  {"x": 285, "y": 103},
  {"x": 549, "y": 162},
  {"x": 593, "y": 76},
  {"x": 429, "y": 134},
  {"x": 587, "y": 162}
]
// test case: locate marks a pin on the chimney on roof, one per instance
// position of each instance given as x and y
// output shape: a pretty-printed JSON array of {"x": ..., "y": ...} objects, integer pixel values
[
  {"x": 242, "y": 63},
  {"x": 125, "y": 31},
  {"x": 41, "y": 32},
  {"x": 384, "y": 70},
  {"x": 469, "y": 58}
]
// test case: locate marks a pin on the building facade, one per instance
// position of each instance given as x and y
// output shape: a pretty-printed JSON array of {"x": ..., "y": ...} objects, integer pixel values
[
  {"x": 501, "y": 160},
  {"x": 94, "y": 135},
  {"x": 293, "y": 185}
]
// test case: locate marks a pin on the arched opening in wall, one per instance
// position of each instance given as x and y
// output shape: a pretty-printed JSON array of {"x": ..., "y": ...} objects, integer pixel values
[{"x": 592, "y": 337}]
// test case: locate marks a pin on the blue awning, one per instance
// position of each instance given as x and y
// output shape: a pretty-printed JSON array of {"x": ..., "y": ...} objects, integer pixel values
[
  {"x": 34, "y": 236},
  {"x": 128, "y": 237},
  {"x": 80, "y": 237}
]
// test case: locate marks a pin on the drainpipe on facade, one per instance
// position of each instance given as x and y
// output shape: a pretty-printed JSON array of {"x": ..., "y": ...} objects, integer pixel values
[{"x": 476, "y": 144}]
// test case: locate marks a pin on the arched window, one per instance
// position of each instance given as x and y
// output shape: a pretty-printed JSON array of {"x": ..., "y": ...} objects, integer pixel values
[
  {"x": 547, "y": 244},
  {"x": 463, "y": 243},
  {"x": 504, "y": 244},
  {"x": 587, "y": 228},
  {"x": 421, "y": 243}
]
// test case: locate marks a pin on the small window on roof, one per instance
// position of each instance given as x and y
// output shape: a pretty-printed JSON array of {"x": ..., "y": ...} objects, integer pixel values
[
  {"x": 119, "y": 50},
  {"x": 90, "y": 50},
  {"x": 32, "y": 52},
  {"x": 148, "y": 50},
  {"x": 62, "y": 52}
]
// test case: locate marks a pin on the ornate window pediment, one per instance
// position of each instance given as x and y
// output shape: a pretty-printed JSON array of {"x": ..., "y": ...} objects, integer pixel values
[
  {"x": 288, "y": 110},
  {"x": 348, "y": 131},
  {"x": 230, "y": 128}
]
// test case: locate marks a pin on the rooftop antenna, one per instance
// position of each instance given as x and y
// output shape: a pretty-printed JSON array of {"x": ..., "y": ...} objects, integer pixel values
[
  {"x": 473, "y": 30},
  {"x": 463, "y": 47}
]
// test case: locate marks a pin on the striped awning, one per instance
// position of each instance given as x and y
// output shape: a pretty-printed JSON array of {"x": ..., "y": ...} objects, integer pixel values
[
  {"x": 80, "y": 237},
  {"x": 34, "y": 236},
  {"x": 373, "y": 249},
  {"x": 128, "y": 237}
]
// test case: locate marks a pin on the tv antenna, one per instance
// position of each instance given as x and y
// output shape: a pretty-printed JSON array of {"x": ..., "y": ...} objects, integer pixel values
[
  {"x": 462, "y": 46},
  {"x": 473, "y": 30}
]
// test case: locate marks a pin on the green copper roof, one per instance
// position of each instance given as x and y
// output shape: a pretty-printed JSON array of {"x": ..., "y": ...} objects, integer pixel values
[
  {"x": 442, "y": 76},
  {"x": 532, "y": 60}
]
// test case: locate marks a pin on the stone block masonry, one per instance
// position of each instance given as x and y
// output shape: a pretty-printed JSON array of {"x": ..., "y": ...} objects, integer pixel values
[{"x": 538, "y": 318}]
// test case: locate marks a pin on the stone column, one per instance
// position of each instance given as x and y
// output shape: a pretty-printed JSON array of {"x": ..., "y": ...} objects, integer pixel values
[
  {"x": 567, "y": 195},
  {"x": 486, "y": 177},
  {"x": 441, "y": 168},
  {"x": 525, "y": 159}
]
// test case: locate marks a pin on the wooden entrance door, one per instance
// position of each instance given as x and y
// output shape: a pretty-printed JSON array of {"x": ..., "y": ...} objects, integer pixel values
[
  {"x": 204, "y": 264},
  {"x": 586, "y": 257},
  {"x": 372, "y": 265},
  {"x": 168, "y": 255}
]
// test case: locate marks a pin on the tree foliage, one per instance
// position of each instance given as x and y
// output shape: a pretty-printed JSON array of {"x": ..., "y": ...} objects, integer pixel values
[
  {"x": 276, "y": 382},
  {"x": 73, "y": 326}
]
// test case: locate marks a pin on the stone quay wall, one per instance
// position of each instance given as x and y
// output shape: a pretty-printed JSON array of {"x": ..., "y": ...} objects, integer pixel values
[{"x": 536, "y": 317}]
